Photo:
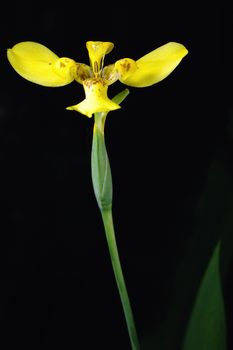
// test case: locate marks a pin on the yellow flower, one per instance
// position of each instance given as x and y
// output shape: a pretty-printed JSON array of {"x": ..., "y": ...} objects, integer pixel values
[{"x": 38, "y": 64}]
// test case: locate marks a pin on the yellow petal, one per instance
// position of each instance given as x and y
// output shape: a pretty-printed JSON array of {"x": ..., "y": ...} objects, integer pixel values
[
  {"x": 125, "y": 68},
  {"x": 97, "y": 50},
  {"x": 96, "y": 98},
  {"x": 82, "y": 72},
  {"x": 156, "y": 65},
  {"x": 38, "y": 64}
]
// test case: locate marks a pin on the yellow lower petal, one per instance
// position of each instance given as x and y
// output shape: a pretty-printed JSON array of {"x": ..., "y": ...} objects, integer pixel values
[{"x": 96, "y": 98}]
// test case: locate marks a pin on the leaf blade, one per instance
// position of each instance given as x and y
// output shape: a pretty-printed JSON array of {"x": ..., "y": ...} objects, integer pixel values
[{"x": 206, "y": 328}]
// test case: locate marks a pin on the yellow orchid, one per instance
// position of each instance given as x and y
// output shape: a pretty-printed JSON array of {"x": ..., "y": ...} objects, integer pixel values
[{"x": 38, "y": 64}]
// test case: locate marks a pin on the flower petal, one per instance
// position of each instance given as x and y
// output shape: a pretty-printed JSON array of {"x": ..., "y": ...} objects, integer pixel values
[
  {"x": 97, "y": 51},
  {"x": 38, "y": 64},
  {"x": 156, "y": 65},
  {"x": 125, "y": 68},
  {"x": 96, "y": 98}
]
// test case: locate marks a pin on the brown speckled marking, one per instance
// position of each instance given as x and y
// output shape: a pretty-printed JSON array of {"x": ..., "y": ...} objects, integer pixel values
[
  {"x": 81, "y": 72},
  {"x": 90, "y": 82},
  {"x": 126, "y": 66},
  {"x": 96, "y": 68},
  {"x": 62, "y": 64}
]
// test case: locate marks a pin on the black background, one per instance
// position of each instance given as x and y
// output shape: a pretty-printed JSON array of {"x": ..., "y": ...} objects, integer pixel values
[{"x": 57, "y": 284}]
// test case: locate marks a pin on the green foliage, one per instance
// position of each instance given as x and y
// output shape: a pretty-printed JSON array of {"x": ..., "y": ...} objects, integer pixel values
[
  {"x": 206, "y": 329},
  {"x": 196, "y": 317}
]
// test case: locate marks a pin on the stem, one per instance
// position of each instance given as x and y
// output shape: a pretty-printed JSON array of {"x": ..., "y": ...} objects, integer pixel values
[
  {"x": 102, "y": 184},
  {"x": 110, "y": 235}
]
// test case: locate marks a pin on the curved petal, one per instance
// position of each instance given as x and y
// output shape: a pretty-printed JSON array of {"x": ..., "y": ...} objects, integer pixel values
[
  {"x": 96, "y": 98},
  {"x": 38, "y": 64},
  {"x": 125, "y": 68},
  {"x": 156, "y": 65},
  {"x": 97, "y": 51}
]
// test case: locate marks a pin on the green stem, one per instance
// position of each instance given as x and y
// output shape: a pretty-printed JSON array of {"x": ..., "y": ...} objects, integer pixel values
[
  {"x": 110, "y": 235},
  {"x": 102, "y": 184}
]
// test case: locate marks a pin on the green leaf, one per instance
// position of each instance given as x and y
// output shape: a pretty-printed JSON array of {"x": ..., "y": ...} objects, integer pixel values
[
  {"x": 100, "y": 166},
  {"x": 206, "y": 327},
  {"x": 100, "y": 169},
  {"x": 120, "y": 96}
]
